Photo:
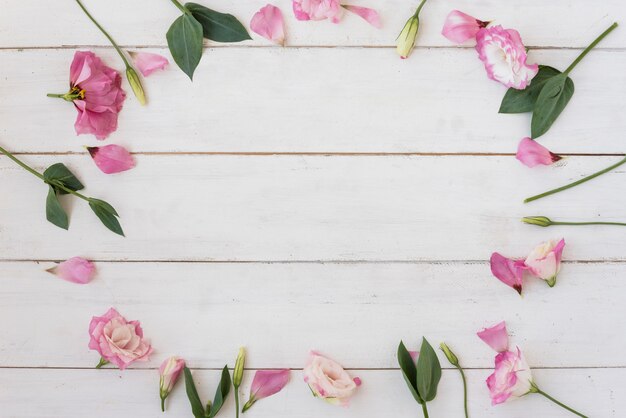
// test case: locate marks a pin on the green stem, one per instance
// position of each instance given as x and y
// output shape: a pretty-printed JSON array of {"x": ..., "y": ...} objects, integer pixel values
[
  {"x": 419, "y": 8},
  {"x": 464, "y": 391},
  {"x": 590, "y": 47},
  {"x": 237, "y": 401},
  {"x": 162, "y": 404},
  {"x": 576, "y": 183},
  {"x": 562, "y": 405},
  {"x": 117, "y": 48},
  {"x": 101, "y": 363},
  {"x": 180, "y": 6},
  {"x": 56, "y": 96},
  {"x": 424, "y": 409},
  {"x": 589, "y": 223}
]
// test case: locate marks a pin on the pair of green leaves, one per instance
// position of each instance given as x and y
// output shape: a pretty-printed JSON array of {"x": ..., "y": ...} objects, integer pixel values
[
  {"x": 422, "y": 378},
  {"x": 60, "y": 179},
  {"x": 184, "y": 37},
  {"x": 546, "y": 97},
  {"x": 211, "y": 410}
]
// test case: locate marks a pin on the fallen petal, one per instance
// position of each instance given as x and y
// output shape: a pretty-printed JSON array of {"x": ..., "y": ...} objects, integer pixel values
[
  {"x": 147, "y": 63},
  {"x": 531, "y": 153},
  {"x": 75, "y": 270},
  {"x": 496, "y": 337},
  {"x": 111, "y": 159},
  {"x": 508, "y": 271},
  {"x": 268, "y": 22},
  {"x": 370, "y": 15}
]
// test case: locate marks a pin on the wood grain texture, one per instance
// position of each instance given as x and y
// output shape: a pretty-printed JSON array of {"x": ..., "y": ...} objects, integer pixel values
[{"x": 316, "y": 100}]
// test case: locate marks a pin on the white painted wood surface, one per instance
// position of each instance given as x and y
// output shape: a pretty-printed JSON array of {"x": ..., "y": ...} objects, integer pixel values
[{"x": 228, "y": 244}]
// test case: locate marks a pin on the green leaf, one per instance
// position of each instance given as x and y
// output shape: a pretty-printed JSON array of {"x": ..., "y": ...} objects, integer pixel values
[
  {"x": 553, "y": 98},
  {"x": 106, "y": 214},
  {"x": 216, "y": 26},
  {"x": 184, "y": 38},
  {"x": 409, "y": 372},
  {"x": 54, "y": 211},
  {"x": 221, "y": 393},
  {"x": 522, "y": 101},
  {"x": 428, "y": 372},
  {"x": 190, "y": 387},
  {"x": 60, "y": 173}
]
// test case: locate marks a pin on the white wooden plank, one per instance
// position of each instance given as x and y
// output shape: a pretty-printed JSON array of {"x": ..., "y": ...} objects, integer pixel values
[
  {"x": 106, "y": 393},
  {"x": 264, "y": 208},
  {"x": 316, "y": 100},
  {"x": 356, "y": 312},
  {"x": 566, "y": 23}
]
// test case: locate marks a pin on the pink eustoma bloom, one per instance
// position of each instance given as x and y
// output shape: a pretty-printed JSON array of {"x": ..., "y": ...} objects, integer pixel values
[
  {"x": 96, "y": 92},
  {"x": 508, "y": 271},
  {"x": 460, "y": 27},
  {"x": 266, "y": 383},
  {"x": 504, "y": 56},
  {"x": 370, "y": 15},
  {"x": 268, "y": 22},
  {"x": 317, "y": 10},
  {"x": 328, "y": 380},
  {"x": 118, "y": 341},
  {"x": 112, "y": 159},
  {"x": 496, "y": 337},
  {"x": 147, "y": 63},
  {"x": 531, "y": 153},
  {"x": 169, "y": 372},
  {"x": 545, "y": 260},
  {"x": 75, "y": 270}
]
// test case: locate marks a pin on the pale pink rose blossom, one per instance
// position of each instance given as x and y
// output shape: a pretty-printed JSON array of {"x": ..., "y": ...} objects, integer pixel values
[
  {"x": 317, "y": 10},
  {"x": 111, "y": 158},
  {"x": 266, "y": 383},
  {"x": 496, "y": 337},
  {"x": 531, "y": 153},
  {"x": 169, "y": 372},
  {"x": 511, "y": 378},
  {"x": 504, "y": 56},
  {"x": 328, "y": 380},
  {"x": 370, "y": 15},
  {"x": 75, "y": 270},
  {"x": 508, "y": 271},
  {"x": 147, "y": 63},
  {"x": 268, "y": 22},
  {"x": 118, "y": 341},
  {"x": 97, "y": 94},
  {"x": 460, "y": 27},
  {"x": 545, "y": 260}
]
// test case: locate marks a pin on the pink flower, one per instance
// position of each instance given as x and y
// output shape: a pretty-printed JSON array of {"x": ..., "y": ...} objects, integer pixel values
[
  {"x": 268, "y": 22},
  {"x": 75, "y": 270},
  {"x": 504, "y": 56},
  {"x": 545, "y": 260},
  {"x": 111, "y": 158},
  {"x": 148, "y": 63},
  {"x": 266, "y": 383},
  {"x": 96, "y": 91},
  {"x": 460, "y": 27},
  {"x": 117, "y": 340},
  {"x": 370, "y": 15},
  {"x": 317, "y": 10},
  {"x": 508, "y": 271},
  {"x": 169, "y": 372},
  {"x": 496, "y": 337},
  {"x": 531, "y": 153},
  {"x": 328, "y": 380},
  {"x": 511, "y": 378}
]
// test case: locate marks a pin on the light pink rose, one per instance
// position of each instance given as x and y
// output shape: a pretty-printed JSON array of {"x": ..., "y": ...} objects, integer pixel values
[
  {"x": 96, "y": 93},
  {"x": 460, "y": 27},
  {"x": 118, "y": 341},
  {"x": 496, "y": 337},
  {"x": 169, "y": 373},
  {"x": 266, "y": 383},
  {"x": 531, "y": 153},
  {"x": 268, "y": 22},
  {"x": 75, "y": 270},
  {"x": 504, "y": 56},
  {"x": 370, "y": 15},
  {"x": 328, "y": 380},
  {"x": 111, "y": 159},
  {"x": 147, "y": 63},
  {"x": 317, "y": 10},
  {"x": 545, "y": 260},
  {"x": 511, "y": 378},
  {"x": 508, "y": 271}
]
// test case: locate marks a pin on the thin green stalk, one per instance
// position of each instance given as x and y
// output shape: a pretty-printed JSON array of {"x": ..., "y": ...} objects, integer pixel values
[
  {"x": 562, "y": 405},
  {"x": 589, "y": 48},
  {"x": 101, "y": 363},
  {"x": 162, "y": 404},
  {"x": 419, "y": 8},
  {"x": 237, "y": 402},
  {"x": 589, "y": 223},
  {"x": 180, "y": 6},
  {"x": 464, "y": 391},
  {"x": 576, "y": 183},
  {"x": 424, "y": 409}
]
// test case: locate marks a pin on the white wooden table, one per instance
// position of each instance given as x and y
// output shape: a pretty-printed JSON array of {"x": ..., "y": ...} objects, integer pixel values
[{"x": 324, "y": 195}]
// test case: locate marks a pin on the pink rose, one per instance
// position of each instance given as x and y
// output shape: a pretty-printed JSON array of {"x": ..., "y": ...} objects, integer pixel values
[
  {"x": 328, "y": 380},
  {"x": 460, "y": 27},
  {"x": 169, "y": 372},
  {"x": 504, "y": 56},
  {"x": 317, "y": 10},
  {"x": 545, "y": 261},
  {"x": 117, "y": 340}
]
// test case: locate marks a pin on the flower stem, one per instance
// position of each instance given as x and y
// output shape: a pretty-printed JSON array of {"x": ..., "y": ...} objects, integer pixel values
[
  {"x": 464, "y": 391},
  {"x": 237, "y": 402},
  {"x": 419, "y": 8},
  {"x": 424, "y": 409},
  {"x": 589, "y": 223},
  {"x": 562, "y": 405},
  {"x": 101, "y": 363},
  {"x": 162, "y": 404},
  {"x": 576, "y": 183},
  {"x": 117, "y": 48},
  {"x": 589, "y": 48},
  {"x": 180, "y": 6}
]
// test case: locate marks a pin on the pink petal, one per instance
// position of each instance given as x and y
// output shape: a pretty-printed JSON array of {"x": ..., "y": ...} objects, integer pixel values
[
  {"x": 508, "y": 271},
  {"x": 531, "y": 153},
  {"x": 75, "y": 270},
  {"x": 148, "y": 63},
  {"x": 496, "y": 337},
  {"x": 268, "y": 382},
  {"x": 268, "y": 22},
  {"x": 460, "y": 27},
  {"x": 370, "y": 15},
  {"x": 558, "y": 250},
  {"x": 111, "y": 158}
]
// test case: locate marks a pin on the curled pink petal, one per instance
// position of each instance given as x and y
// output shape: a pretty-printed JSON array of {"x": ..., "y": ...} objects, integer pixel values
[
  {"x": 75, "y": 270},
  {"x": 112, "y": 158},
  {"x": 508, "y": 271},
  {"x": 531, "y": 153},
  {"x": 268, "y": 22},
  {"x": 370, "y": 15},
  {"x": 268, "y": 382},
  {"x": 460, "y": 27},
  {"x": 496, "y": 337},
  {"x": 147, "y": 63}
]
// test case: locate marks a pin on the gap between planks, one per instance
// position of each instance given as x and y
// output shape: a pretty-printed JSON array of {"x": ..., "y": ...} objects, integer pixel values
[
  {"x": 322, "y": 154},
  {"x": 382, "y": 369},
  {"x": 415, "y": 262}
]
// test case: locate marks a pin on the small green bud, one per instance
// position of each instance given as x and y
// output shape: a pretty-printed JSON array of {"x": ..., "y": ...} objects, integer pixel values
[
  {"x": 452, "y": 358},
  {"x": 239, "y": 365},
  {"x": 537, "y": 220},
  {"x": 406, "y": 39},
  {"x": 135, "y": 84}
]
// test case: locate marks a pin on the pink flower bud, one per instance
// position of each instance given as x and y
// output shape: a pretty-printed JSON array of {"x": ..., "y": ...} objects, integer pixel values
[{"x": 170, "y": 371}]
